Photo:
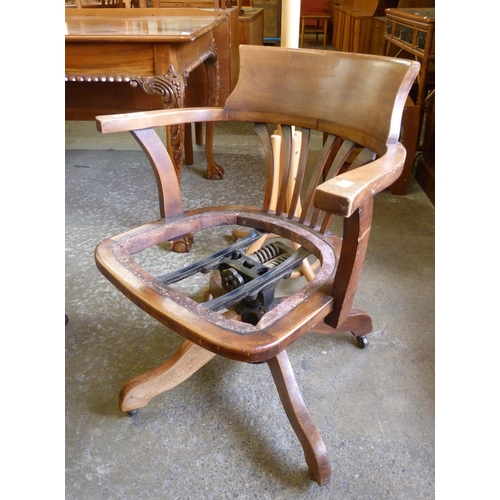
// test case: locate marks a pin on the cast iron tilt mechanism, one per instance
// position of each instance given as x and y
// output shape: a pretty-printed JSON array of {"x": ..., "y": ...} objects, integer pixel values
[{"x": 249, "y": 280}]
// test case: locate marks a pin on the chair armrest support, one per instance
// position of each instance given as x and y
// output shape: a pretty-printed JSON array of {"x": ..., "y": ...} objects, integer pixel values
[{"x": 344, "y": 194}]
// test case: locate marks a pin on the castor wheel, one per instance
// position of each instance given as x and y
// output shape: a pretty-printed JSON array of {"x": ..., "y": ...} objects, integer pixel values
[{"x": 362, "y": 341}]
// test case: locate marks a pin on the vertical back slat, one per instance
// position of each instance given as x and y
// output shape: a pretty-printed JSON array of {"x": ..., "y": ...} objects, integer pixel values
[
  {"x": 262, "y": 131},
  {"x": 286, "y": 149},
  {"x": 366, "y": 155},
  {"x": 340, "y": 158},
  {"x": 326, "y": 222},
  {"x": 333, "y": 156},
  {"x": 317, "y": 174},
  {"x": 314, "y": 217},
  {"x": 295, "y": 205}
]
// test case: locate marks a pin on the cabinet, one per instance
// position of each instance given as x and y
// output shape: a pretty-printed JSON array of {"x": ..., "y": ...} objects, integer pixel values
[
  {"x": 252, "y": 26},
  {"x": 357, "y": 24},
  {"x": 425, "y": 172},
  {"x": 272, "y": 17},
  {"x": 377, "y": 43},
  {"x": 412, "y": 31},
  {"x": 352, "y": 23}
]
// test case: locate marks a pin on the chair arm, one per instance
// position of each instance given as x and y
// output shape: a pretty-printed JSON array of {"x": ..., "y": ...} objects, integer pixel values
[
  {"x": 125, "y": 122},
  {"x": 345, "y": 193}
]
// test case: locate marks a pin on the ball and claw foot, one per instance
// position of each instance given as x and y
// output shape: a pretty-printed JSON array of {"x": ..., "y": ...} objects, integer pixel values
[
  {"x": 215, "y": 172},
  {"x": 183, "y": 244}
]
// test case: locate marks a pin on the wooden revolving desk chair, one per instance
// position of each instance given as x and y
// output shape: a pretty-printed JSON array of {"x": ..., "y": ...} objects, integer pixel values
[{"x": 356, "y": 101}]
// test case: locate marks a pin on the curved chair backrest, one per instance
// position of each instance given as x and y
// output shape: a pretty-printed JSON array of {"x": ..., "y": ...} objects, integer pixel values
[{"x": 355, "y": 95}]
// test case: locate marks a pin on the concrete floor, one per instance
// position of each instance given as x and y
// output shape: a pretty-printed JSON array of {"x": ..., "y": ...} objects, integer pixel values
[{"x": 223, "y": 433}]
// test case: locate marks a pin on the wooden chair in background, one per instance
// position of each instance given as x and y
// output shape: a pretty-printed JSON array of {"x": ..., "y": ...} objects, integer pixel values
[
  {"x": 357, "y": 101},
  {"x": 314, "y": 19}
]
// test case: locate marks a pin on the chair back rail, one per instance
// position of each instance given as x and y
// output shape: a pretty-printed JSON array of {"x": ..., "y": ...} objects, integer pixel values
[{"x": 330, "y": 87}]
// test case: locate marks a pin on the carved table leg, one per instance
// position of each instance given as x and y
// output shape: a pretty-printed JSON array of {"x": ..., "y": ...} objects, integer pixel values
[
  {"x": 188, "y": 144},
  {"x": 198, "y": 133},
  {"x": 312, "y": 443},
  {"x": 171, "y": 88},
  {"x": 214, "y": 170},
  {"x": 188, "y": 359}
]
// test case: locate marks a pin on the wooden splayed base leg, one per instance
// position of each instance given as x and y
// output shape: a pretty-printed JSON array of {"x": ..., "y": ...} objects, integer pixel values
[
  {"x": 187, "y": 360},
  {"x": 312, "y": 443}
]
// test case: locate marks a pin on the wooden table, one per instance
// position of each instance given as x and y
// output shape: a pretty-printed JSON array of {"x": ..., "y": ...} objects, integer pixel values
[{"x": 147, "y": 49}]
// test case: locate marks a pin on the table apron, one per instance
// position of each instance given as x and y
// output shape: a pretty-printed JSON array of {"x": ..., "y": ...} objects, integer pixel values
[{"x": 121, "y": 61}]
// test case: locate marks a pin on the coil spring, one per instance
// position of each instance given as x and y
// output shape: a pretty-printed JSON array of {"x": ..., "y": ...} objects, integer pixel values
[
  {"x": 270, "y": 255},
  {"x": 276, "y": 261}
]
